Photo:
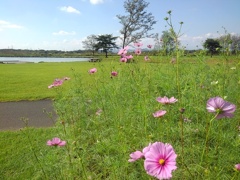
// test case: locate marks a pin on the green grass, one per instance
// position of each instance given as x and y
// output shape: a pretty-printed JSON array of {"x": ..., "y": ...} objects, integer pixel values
[
  {"x": 30, "y": 81},
  {"x": 98, "y": 147}
]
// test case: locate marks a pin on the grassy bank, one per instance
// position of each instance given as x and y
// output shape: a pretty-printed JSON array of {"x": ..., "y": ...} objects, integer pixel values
[{"x": 104, "y": 118}]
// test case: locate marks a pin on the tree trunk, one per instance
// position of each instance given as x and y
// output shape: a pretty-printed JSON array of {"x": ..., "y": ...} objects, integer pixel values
[{"x": 106, "y": 54}]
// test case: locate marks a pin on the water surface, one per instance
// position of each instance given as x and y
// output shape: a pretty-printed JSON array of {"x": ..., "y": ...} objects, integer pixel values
[{"x": 39, "y": 59}]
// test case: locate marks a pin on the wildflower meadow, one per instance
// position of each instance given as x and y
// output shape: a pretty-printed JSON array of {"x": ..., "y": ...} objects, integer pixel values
[
  {"x": 138, "y": 120},
  {"x": 139, "y": 117},
  {"x": 145, "y": 121}
]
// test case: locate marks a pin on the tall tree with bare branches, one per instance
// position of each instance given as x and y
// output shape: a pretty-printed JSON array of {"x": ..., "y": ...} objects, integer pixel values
[
  {"x": 137, "y": 23},
  {"x": 90, "y": 43}
]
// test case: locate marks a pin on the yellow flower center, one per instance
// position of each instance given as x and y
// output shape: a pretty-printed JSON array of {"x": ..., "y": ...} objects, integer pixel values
[{"x": 161, "y": 161}]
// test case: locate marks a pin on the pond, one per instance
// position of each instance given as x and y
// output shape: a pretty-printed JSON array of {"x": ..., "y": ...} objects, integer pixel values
[{"x": 8, "y": 60}]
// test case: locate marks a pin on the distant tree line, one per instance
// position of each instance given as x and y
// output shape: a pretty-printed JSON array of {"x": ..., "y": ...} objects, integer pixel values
[
  {"x": 227, "y": 44},
  {"x": 40, "y": 53}
]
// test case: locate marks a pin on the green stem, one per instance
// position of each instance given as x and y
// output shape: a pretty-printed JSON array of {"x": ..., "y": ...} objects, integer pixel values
[
  {"x": 68, "y": 150},
  {"x": 182, "y": 139},
  {"x": 207, "y": 136},
  {"x": 177, "y": 74}
]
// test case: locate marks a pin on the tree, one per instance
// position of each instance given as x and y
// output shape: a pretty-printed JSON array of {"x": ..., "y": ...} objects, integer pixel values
[
  {"x": 105, "y": 43},
  {"x": 168, "y": 42},
  {"x": 211, "y": 45},
  {"x": 90, "y": 43},
  {"x": 230, "y": 43},
  {"x": 137, "y": 22},
  {"x": 235, "y": 45}
]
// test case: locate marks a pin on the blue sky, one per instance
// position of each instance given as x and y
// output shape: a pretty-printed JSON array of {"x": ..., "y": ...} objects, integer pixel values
[{"x": 64, "y": 24}]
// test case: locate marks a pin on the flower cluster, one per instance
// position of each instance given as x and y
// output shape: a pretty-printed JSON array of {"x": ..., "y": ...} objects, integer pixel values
[
  {"x": 124, "y": 56},
  {"x": 164, "y": 100},
  {"x": 160, "y": 159},
  {"x": 138, "y": 50},
  {"x": 58, "y": 82},
  {"x": 146, "y": 58}
]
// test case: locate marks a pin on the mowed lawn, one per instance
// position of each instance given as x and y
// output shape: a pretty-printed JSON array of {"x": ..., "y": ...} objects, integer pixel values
[{"x": 30, "y": 81}]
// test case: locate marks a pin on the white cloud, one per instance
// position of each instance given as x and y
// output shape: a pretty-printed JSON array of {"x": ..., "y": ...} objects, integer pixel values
[
  {"x": 195, "y": 42},
  {"x": 208, "y": 34},
  {"x": 69, "y": 9},
  {"x": 96, "y": 1},
  {"x": 64, "y": 33},
  {"x": 8, "y": 25},
  {"x": 64, "y": 45}
]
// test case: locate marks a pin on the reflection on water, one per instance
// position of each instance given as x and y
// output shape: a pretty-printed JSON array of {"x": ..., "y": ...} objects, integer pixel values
[{"x": 38, "y": 59}]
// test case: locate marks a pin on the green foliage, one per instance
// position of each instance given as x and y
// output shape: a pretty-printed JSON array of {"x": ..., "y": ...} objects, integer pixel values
[
  {"x": 126, "y": 123},
  {"x": 168, "y": 43},
  {"x": 98, "y": 146},
  {"x": 212, "y": 46},
  {"x": 105, "y": 43}
]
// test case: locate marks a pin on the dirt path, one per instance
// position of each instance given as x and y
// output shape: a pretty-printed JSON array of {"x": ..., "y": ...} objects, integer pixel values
[{"x": 37, "y": 113}]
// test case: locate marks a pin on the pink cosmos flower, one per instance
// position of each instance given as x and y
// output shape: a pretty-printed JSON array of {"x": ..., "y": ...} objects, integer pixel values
[
  {"x": 92, "y": 71},
  {"x": 56, "y": 142},
  {"x": 135, "y": 156},
  {"x": 138, "y": 44},
  {"x": 146, "y": 58},
  {"x": 57, "y": 82},
  {"x": 223, "y": 108},
  {"x": 149, "y": 46},
  {"x": 114, "y": 73},
  {"x": 160, "y": 160},
  {"x": 146, "y": 149},
  {"x": 129, "y": 57},
  {"x": 138, "y": 51},
  {"x": 138, "y": 154},
  {"x": 123, "y": 51},
  {"x": 159, "y": 113},
  {"x": 237, "y": 166},
  {"x": 165, "y": 100},
  {"x": 123, "y": 59}
]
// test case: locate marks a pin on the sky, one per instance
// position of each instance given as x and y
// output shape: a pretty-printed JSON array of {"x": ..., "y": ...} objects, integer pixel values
[{"x": 64, "y": 24}]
